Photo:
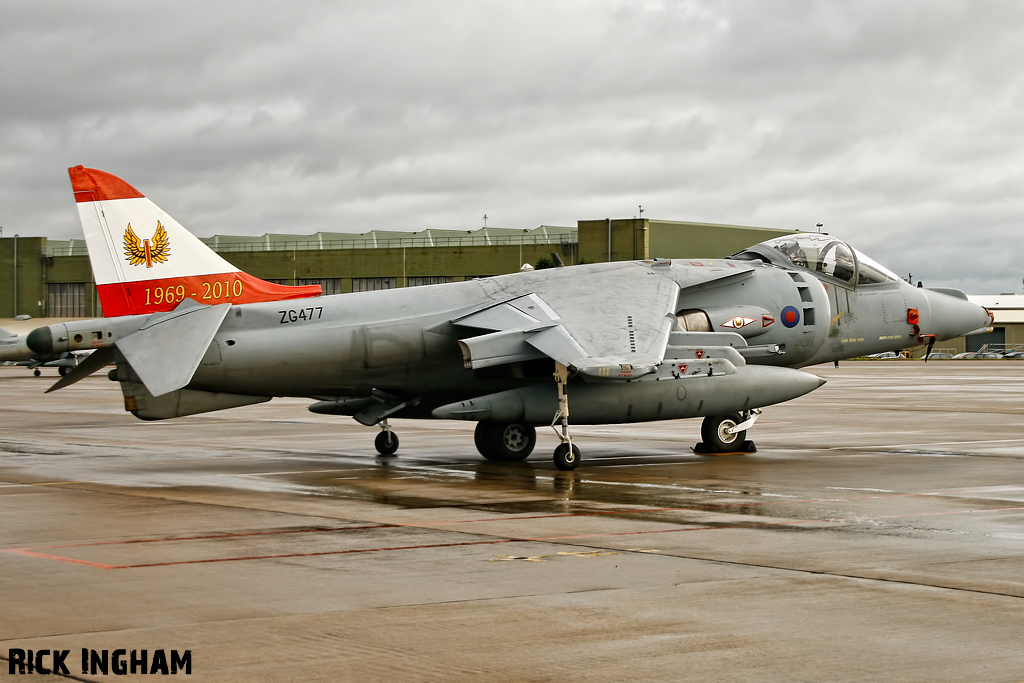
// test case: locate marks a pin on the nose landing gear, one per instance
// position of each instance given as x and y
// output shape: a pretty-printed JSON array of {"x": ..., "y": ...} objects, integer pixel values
[
  {"x": 567, "y": 454},
  {"x": 387, "y": 441}
]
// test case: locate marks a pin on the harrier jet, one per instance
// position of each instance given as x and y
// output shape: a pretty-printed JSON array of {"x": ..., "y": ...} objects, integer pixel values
[
  {"x": 601, "y": 343},
  {"x": 14, "y": 350}
]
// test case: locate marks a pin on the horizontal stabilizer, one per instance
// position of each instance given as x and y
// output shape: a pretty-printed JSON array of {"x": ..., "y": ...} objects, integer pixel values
[
  {"x": 167, "y": 350},
  {"x": 94, "y": 362}
]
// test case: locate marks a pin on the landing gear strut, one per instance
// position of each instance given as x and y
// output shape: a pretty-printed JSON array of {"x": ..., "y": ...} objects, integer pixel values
[
  {"x": 727, "y": 433},
  {"x": 387, "y": 441},
  {"x": 567, "y": 454}
]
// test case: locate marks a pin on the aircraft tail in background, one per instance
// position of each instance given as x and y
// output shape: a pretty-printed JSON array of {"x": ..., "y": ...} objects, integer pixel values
[{"x": 144, "y": 261}]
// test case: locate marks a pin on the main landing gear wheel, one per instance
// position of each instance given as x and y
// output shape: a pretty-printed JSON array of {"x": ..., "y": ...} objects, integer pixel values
[
  {"x": 714, "y": 431},
  {"x": 386, "y": 442},
  {"x": 505, "y": 441},
  {"x": 63, "y": 370},
  {"x": 567, "y": 459}
]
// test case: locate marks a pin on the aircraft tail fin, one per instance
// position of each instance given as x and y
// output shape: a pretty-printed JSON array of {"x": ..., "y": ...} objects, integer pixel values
[{"x": 144, "y": 261}]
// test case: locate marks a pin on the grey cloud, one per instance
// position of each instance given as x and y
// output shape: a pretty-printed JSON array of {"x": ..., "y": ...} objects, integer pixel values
[{"x": 893, "y": 123}]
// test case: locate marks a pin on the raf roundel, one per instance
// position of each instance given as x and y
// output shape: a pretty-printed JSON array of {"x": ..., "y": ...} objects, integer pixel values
[{"x": 790, "y": 316}]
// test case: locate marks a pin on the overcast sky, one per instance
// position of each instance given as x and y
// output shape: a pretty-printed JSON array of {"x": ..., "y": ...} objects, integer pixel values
[{"x": 896, "y": 124}]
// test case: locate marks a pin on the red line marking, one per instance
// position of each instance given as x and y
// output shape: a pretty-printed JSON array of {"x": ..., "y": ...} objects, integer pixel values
[
  {"x": 696, "y": 508},
  {"x": 23, "y": 551},
  {"x": 326, "y": 552},
  {"x": 59, "y": 558},
  {"x": 202, "y": 538}
]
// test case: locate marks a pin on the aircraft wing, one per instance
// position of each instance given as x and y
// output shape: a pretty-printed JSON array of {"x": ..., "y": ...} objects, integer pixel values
[{"x": 611, "y": 324}]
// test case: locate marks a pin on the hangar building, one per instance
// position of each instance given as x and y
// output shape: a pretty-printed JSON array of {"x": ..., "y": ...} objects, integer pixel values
[
  {"x": 1007, "y": 325},
  {"x": 53, "y": 278}
]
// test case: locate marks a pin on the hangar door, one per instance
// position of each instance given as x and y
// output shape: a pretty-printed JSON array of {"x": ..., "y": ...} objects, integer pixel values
[{"x": 996, "y": 338}]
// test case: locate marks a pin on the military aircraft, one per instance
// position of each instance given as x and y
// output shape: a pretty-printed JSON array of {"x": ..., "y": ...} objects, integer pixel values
[
  {"x": 620, "y": 342},
  {"x": 14, "y": 350}
]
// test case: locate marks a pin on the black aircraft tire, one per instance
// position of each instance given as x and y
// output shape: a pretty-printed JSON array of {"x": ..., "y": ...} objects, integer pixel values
[
  {"x": 37, "y": 372},
  {"x": 386, "y": 443},
  {"x": 482, "y": 437},
  {"x": 566, "y": 460},
  {"x": 63, "y": 370},
  {"x": 505, "y": 441},
  {"x": 713, "y": 433}
]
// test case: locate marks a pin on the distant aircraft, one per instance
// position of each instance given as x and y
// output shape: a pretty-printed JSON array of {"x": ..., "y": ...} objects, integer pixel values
[
  {"x": 14, "y": 351},
  {"x": 151, "y": 281},
  {"x": 620, "y": 342}
]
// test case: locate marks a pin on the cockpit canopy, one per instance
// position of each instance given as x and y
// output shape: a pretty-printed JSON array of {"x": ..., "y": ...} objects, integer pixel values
[{"x": 821, "y": 254}]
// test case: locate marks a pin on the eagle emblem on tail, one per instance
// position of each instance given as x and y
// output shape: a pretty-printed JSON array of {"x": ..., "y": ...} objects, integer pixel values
[{"x": 141, "y": 251}]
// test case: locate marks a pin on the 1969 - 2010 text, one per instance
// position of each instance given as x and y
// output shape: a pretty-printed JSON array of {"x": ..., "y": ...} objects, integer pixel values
[{"x": 219, "y": 289}]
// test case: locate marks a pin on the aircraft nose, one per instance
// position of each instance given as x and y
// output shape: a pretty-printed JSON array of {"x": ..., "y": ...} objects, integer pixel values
[{"x": 952, "y": 316}]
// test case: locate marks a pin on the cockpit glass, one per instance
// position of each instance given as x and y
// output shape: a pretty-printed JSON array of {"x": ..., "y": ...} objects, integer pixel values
[
  {"x": 871, "y": 272},
  {"x": 820, "y": 253}
]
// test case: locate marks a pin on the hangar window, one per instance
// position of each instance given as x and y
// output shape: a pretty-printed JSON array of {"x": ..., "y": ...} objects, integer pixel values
[
  {"x": 371, "y": 284},
  {"x": 429, "y": 280},
  {"x": 328, "y": 285}
]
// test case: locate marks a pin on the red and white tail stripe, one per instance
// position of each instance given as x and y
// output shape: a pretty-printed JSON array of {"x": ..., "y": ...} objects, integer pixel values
[{"x": 144, "y": 261}]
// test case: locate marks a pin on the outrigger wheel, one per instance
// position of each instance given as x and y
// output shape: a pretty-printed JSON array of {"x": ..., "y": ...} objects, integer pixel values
[
  {"x": 386, "y": 442},
  {"x": 567, "y": 459},
  {"x": 505, "y": 441}
]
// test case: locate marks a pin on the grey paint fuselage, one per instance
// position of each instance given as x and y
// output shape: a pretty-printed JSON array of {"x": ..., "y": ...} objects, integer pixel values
[{"x": 406, "y": 341}]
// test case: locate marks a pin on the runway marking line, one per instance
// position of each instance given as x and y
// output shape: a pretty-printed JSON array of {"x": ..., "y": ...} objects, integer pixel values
[
  {"x": 45, "y": 556},
  {"x": 595, "y": 513},
  {"x": 42, "y": 483},
  {"x": 30, "y": 552}
]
